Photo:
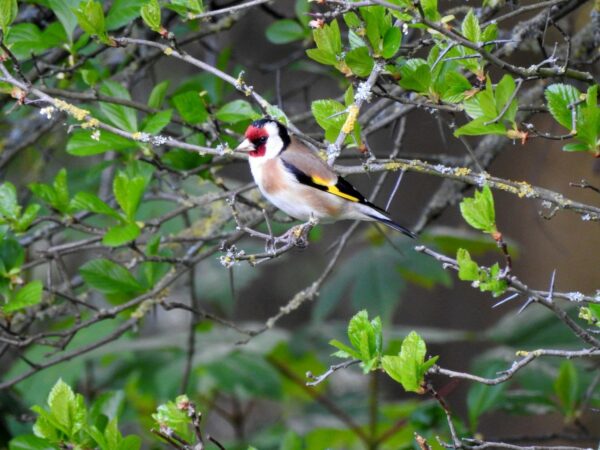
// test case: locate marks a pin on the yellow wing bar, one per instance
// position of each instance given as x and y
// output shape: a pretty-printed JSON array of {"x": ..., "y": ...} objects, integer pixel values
[{"x": 335, "y": 189}]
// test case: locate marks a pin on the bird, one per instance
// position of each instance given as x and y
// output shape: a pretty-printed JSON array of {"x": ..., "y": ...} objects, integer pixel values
[{"x": 297, "y": 181}]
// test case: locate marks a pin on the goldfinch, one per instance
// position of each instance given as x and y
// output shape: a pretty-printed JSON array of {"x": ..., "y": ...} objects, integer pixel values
[{"x": 292, "y": 177}]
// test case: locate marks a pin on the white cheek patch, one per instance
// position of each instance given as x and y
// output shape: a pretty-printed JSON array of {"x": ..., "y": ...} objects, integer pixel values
[
  {"x": 274, "y": 142},
  {"x": 273, "y": 146}
]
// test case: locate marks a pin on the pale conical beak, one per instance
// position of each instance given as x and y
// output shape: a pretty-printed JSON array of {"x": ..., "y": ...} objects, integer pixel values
[{"x": 245, "y": 146}]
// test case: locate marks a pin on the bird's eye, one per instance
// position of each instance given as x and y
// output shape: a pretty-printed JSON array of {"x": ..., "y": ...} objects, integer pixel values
[{"x": 261, "y": 140}]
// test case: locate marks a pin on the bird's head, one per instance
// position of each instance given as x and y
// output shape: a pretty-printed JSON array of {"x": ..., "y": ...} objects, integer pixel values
[{"x": 265, "y": 138}]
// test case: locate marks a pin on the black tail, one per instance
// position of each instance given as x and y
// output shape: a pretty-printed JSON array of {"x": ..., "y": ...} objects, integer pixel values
[{"x": 390, "y": 223}]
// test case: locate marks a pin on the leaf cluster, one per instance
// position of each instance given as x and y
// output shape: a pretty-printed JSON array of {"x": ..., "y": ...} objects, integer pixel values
[{"x": 366, "y": 345}]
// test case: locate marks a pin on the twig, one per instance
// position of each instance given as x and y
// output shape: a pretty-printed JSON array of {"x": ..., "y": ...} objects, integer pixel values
[
  {"x": 466, "y": 175},
  {"x": 228, "y": 10},
  {"x": 362, "y": 95},
  {"x": 516, "y": 366},
  {"x": 519, "y": 82},
  {"x": 584, "y": 184},
  {"x": 332, "y": 369}
]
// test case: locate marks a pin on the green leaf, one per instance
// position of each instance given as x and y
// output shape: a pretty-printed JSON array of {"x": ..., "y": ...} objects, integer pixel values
[
  {"x": 321, "y": 56},
  {"x": 63, "y": 9},
  {"x": 357, "y": 325},
  {"x": 44, "y": 192},
  {"x": 112, "y": 435},
  {"x": 180, "y": 159},
  {"x": 468, "y": 270},
  {"x": 575, "y": 148},
  {"x": 9, "y": 206},
  {"x": 470, "y": 27},
  {"x": 285, "y": 31},
  {"x": 486, "y": 280},
  {"x": 29, "y": 442},
  {"x": 190, "y": 107},
  {"x": 588, "y": 122},
  {"x": 329, "y": 113},
  {"x": 454, "y": 87},
  {"x": 480, "y": 126},
  {"x": 123, "y": 12},
  {"x": 86, "y": 201},
  {"x": 236, "y": 111},
  {"x": 504, "y": 90},
  {"x": 90, "y": 76},
  {"x": 391, "y": 42},
  {"x": 46, "y": 426},
  {"x": 430, "y": 8},
  {"x": 559, "y": 96},
  {"x": 131, "y": 442},
  {"x": 171, "y": 416},
  {"x": 479, "y": 210},
  {"x": 26, "y": 38},
  {"x": 65, "y": 407},
  {"x": 29, "y": 295},
  {"x": 482, "y": 398},
  {"x": 412, "y": 355},
  {"x": 109, "y": 404},
  {"x": 371, "y": 19},
  {"x": 150, "y": 12},
  {"x": 128, "y": 193},
  {"x": 591, "y": 313},
  {"x": 81, "y": 143},
  {"x": 246, "y": 374},
  {"x": 27, "y": 217},
  {"x": 416, "y": 75},
  {"x": 566, "y": 388},
  {"x": 302, "y": 10},
  {"x": 276, "y": 113},
  {"x": 349, "y": 96},
  {"x": 492, "y": 282},
  {"x": 375, "y": 287},
  {"x": 409, "y": 367},
  {"x": 360, "y": 62},
  {"x": 157, "y": 96},
  {"x": 489, "y": 34},
  {"x": 183, "y": 7},
  {"x": 61, "y": 190},
  {"x": 56, "y": 195},
  {"x": 329, "y": 39},
  {"x": 290, "y": 441},
  {"x": 483, "y": 104},
  {"x": 8, "y": 11},
  {"x": 12, "y": 254},
  {"x": 120, "y": 116},
  {"x": 344, "y": 350},
  {"x": 90, "y": 17},
  {"x": 155, "y": 123},
  {"x": 352, "y": 20},
  {"x": 120, "y": 235},
  {"x": 366, "y": 336},
  {"x": 109, "y": 277},
  {"x": 154, "y": 271}
]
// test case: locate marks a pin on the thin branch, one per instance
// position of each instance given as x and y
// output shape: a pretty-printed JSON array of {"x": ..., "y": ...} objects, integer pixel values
[
  {"x": 229, "y": 10},
  {"x": 528, "y": 357},
  {"x": 521, "y": 189},
  {"x": 332, "y": 369},
  {"x": 363, "y": 94}
]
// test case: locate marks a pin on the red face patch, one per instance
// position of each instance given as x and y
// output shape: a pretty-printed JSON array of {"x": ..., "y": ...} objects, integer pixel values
[{"x": 258, "y": 137}]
